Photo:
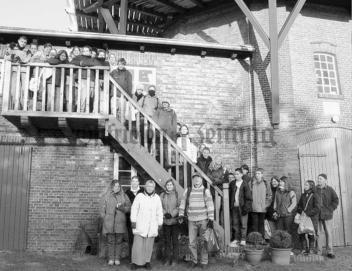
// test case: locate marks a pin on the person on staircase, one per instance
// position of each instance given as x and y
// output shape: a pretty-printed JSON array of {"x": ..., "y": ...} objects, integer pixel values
[
  {"x": 240, "y": 206},
  {"x": 204, "y": 161},
  {"x": 285, "y": 204},
  {"x": 309, "y": 203},
  {"x": 166, "y": 118},
  {"x": 171, "y": 202},
  {"x": 146, "y": 219},
  {"x": 328, "y": 202},
  {"x": 218, "y": 175},
  {"x": 122, "y": 76},
  {"x": 114, "y": 208},
  {"x": 150, "y": 103},
  {"x": 186, "y": 145},
  {"x": 197, "y": 204},
  {"x": 131, "y": 194},
  {"x": 261, "y": 194}
]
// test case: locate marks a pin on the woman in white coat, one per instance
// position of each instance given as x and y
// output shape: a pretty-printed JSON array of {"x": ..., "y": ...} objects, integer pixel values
[{"x": 146, "y": 219}]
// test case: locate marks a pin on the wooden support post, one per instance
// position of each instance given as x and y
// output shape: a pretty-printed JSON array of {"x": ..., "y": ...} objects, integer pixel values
[
  {"x": 123, "y": 17},
  {"x": 242, "y": 5},
  {"x": 227, "y": 224},
  {"x": 26, "y": 88},
  {"x": 35, "y": 95},
  {"x": 116, "y": 165},
  {"x": 274, "y": 63},
  {"x": 62, "y": 89},
  {"x": 109, "y": 20},
  {"x": 7, "y": 86},
  {"x": 289, "y": 21},
  {"x": 106, "y": 93},
  {"x": 70, "y": 91},
  {"x": 97, "y": 95}
]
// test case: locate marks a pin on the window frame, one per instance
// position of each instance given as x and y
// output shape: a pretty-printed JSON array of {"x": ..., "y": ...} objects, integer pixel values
[{"x": 337, "y": 85}]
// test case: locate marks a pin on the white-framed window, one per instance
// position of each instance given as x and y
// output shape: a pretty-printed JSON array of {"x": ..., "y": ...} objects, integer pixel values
[{"x": 326, "y": 73}]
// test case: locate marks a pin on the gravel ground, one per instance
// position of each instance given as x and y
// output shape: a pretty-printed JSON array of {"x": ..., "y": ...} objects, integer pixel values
[{"x": 27, "y": 261}]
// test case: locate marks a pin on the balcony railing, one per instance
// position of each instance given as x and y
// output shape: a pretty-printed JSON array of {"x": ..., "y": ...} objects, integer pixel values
[{"x": 40, "y": 89}]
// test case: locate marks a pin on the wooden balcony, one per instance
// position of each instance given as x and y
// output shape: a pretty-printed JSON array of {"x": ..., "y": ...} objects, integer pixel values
[{"x": 43, "y": 96}]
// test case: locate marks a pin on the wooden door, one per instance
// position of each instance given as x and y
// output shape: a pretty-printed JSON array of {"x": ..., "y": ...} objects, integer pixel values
[
  {"x": 321, "y": 157},
  {"x": 15, "y": 163}
]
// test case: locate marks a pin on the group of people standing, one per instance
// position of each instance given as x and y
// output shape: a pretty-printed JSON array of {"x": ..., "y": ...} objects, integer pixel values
[{"x": 142, "y": 214}]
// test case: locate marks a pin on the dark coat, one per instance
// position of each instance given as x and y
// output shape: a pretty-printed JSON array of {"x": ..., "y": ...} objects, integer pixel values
[
  {"x": 131, "y": 196},
  {"x": 167, "y": 120},
  {"x": 85, "y": 61},
  {"x": 124, "y": 79},
  {"x": 245, "y": 197},
  {"x": 313, "y": 207},
  {"x": 56, "y": 61},
  {"x": 114, "y": 219},
  {"x": 217, "y": 176},
  {"x": 328, "y": 202},
  {"x": 170, "y": 202},
  {"x": 203, "y": 163}
]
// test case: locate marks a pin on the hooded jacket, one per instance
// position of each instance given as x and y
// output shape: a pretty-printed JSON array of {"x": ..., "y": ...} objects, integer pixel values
[
  {"x": 114, "y": 219},
  {"x": 170, "y": 201},
  {"x": 285, "y": 202},
  {"x": 203, "y": 163},
  {"x": 57, "y": 61}
]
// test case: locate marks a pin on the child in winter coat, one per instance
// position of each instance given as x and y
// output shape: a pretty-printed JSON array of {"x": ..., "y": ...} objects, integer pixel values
[
  {"x": 309, "y": 203},
  {"x": 170, "y": 202},
  {"x": 114, "y": 208}
]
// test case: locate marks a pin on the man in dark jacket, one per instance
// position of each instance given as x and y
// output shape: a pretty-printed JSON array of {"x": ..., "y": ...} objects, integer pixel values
[
  {"x": 328, "y": 202},
  {"x": 240, "y": 206},
  {"x": 122, "y": 76},
  {"x": 245, "y": 170}
]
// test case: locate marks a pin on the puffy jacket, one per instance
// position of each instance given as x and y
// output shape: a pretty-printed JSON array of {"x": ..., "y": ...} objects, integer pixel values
[
  {"x": 124, "y": 79},
  {"x": 204, "y": 164},
  {"x": 328, "y": 202},
  {"x": 286, "y": 202},
  {"x": 114, "y": 219},
  {"x": 261, "y": 194},
  {"x": 170, "y": 202},
  {"x": 244, "y": 197},
  {"x": 147, "y": 213}
]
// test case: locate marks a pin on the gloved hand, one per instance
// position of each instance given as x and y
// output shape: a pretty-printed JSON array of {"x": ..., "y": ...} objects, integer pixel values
[
  {"x": 168, "y": 216},
  {"x": 180, "y": 219},
  {"x": 210, "y": 224},
  {"x": 133, "y": 225}
]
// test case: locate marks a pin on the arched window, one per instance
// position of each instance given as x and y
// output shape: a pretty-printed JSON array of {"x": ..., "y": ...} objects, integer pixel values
[{"x": 326, "y": 73}]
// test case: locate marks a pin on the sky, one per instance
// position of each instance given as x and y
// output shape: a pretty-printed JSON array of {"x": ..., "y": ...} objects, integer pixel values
[{"x": 36, "y": 14}]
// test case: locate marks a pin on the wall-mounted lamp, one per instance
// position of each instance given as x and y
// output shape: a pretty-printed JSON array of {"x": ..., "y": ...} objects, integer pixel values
[
  {"x": 68, "y": 43},
  {"x": 335, "y": 119},
  {"x": 233, "y": 56},
  {"x": 203, "y": 53},
  {"x": 173, "y": 51},
  {"x": 142, "y": 48}
]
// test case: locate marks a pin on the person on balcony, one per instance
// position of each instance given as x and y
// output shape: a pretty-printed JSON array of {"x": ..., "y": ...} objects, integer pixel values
[
  {"x": 85, "y": 60},
  {"x": 240, "y": 206},
  {"x": 285, "y": 204},
  {"x": 75, "y": 52},
  {"x": 146, "y": 219},
  {"x": 114, "y": 208},
  {"x": 170, "y": 201},
  {"x": 60, "y": 59},
  {"x": 261, "y": 194},
  {"x": 18, "y": 53},
  {"x": 122, "y": 76},
  {"x": 197, "y": 204},
  {"x": 112, "y": 61}
]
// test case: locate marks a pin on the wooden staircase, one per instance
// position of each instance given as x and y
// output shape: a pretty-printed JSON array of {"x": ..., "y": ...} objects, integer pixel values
[{"x": 159, "y": 155}]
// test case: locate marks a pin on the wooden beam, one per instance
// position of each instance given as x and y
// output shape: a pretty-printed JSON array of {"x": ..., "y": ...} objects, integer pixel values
[
  {"x": 28, "y": 126},
  {"x": 93, "y": 7},
  {"x": 123, "y": 17},
  {"x": 169, "y": 4},
  {"x": 198, "y": 3},
  {"x": 274, "y": 63},
  {"x": 109, "y": 20},
  {"x": 242, "y": 5},
  {"x": 289, "y": 21}
]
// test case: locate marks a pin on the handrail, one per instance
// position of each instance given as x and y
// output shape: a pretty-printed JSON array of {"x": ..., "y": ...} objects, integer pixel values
[
  {"x": 172, "y": 143},
  {"x": 47, "y": 65}
]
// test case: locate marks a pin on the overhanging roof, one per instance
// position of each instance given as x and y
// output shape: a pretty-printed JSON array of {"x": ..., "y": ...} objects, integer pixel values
[{"x": 128, "y": 42}]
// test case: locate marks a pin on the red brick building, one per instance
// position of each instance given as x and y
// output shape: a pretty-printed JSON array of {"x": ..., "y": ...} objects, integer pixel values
[{"x": 226, "y": 103}]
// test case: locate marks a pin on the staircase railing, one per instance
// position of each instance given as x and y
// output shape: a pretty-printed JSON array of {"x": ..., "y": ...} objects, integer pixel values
[{"x": 143, "y": 130}]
